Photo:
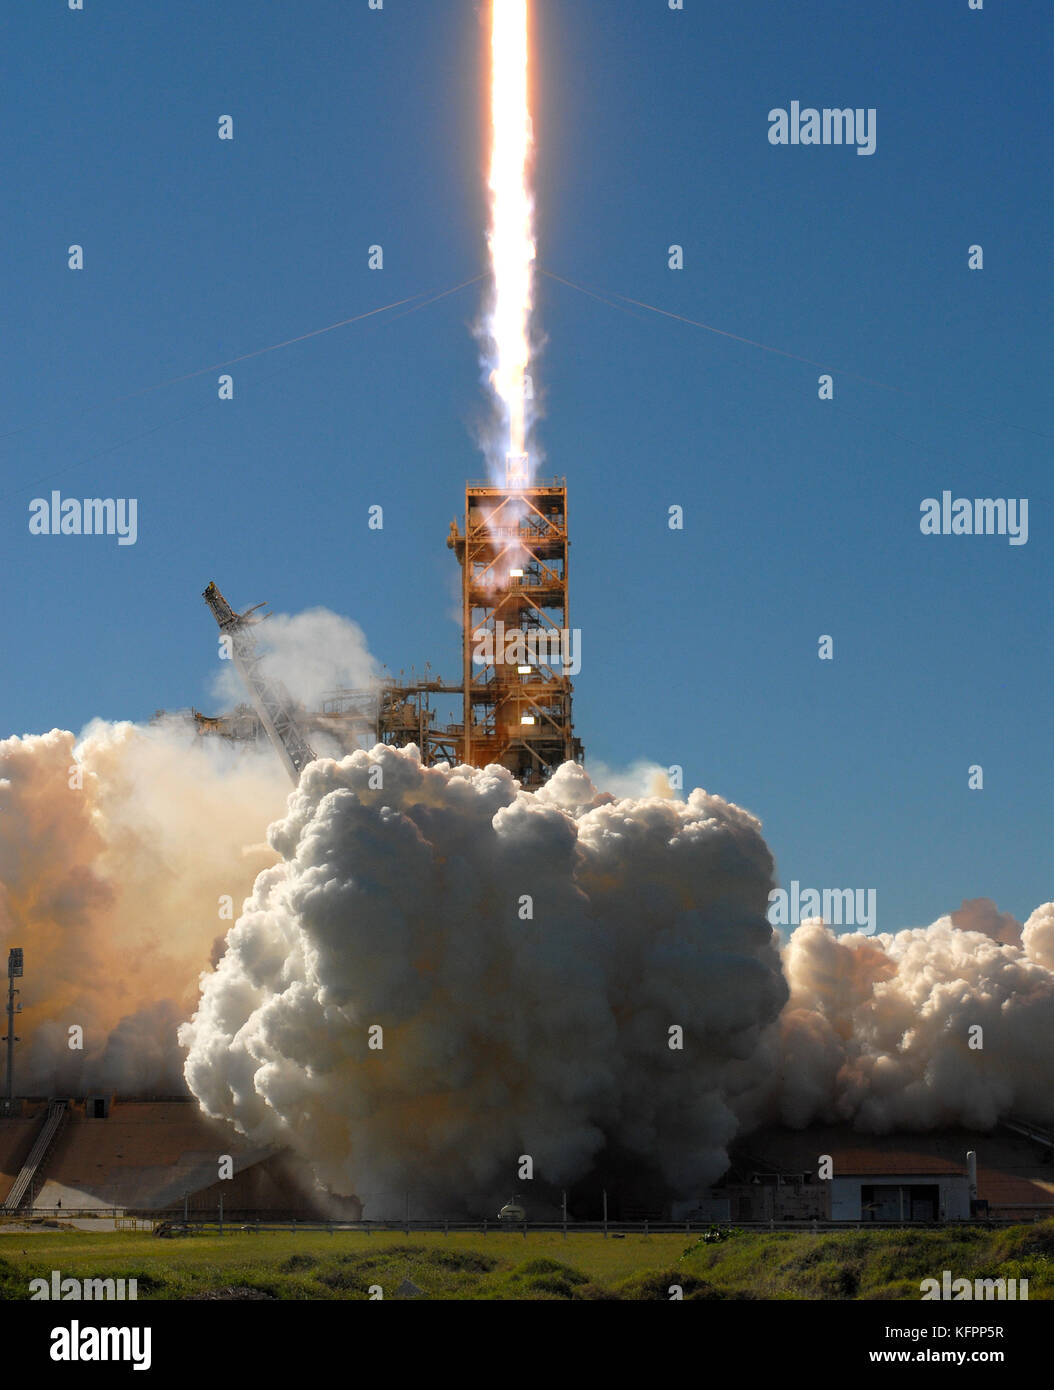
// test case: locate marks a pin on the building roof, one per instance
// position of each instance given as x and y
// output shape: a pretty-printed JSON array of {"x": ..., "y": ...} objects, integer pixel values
[
  {"x": 16, "y": 1139},
  {"x": 144, "y": 1154},
  {"x": 1011, "y": 1170}
]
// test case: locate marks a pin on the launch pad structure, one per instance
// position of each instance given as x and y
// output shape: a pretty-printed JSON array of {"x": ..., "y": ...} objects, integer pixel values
[{"x": 513, "y": 704}]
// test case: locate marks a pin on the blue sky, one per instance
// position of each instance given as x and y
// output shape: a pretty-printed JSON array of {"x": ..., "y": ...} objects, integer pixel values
[{"x": 354, "y": 127}]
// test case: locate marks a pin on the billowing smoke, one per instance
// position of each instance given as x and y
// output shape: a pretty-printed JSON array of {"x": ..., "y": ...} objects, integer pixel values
[
  {"x": 525, "y": 956},
  {"x": 937, "y": 1026},
  {"x": 311, "y": 653},
  {"x": 641, "y": 778},
  {"x": 115, "y": 850},
  {"x": 981, "y": 914},
  {"x": 529, "y": 958},
  {"x": 1037, "y": 936}
]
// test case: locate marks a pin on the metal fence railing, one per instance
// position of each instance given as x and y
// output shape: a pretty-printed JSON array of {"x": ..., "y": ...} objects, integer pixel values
[{"x": 201, "y": 1222}]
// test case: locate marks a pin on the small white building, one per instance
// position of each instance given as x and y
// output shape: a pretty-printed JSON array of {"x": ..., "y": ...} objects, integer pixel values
[
  {"x": 883, "y": 1196},
  {"x": 776, "y": 1175}
]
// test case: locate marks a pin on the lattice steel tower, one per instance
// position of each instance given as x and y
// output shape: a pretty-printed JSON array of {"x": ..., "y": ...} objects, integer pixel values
[{"x": 518, "y": 648}]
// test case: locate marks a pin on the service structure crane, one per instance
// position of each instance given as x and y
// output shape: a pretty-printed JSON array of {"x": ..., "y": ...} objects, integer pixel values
[{"x": 270, "y": 699}]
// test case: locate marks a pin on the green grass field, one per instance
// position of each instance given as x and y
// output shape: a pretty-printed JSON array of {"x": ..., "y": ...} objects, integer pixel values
[{"x": 771, "y": 1265}]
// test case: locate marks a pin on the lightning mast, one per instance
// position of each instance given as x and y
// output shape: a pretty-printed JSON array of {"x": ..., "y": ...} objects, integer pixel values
[
  {"x": 271, "y": 700},
  {"x": 14, "y": 972}
]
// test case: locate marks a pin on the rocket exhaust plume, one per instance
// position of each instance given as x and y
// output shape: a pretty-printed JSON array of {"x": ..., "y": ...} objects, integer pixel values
[
  {"x": 510, "y": 237},
  {"x": 126, "y": 855},
  {"x": 402, "y": 910},
  {"x": 933, "y": 1026},
  {"x": 550, "y": 1035},
  {"x": 118, "y": 853}
]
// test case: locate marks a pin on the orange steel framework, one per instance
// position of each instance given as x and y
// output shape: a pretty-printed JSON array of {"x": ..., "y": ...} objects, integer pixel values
[
  {"x": 513, "y": 554},
  {"x": 514, "y": 600}
]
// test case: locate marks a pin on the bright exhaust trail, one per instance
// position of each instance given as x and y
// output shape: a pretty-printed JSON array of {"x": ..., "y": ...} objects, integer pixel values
[{"x": 510, "y": 237}]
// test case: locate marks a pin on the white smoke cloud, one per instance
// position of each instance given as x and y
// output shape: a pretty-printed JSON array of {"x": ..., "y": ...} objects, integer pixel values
[
  {"x": 1037, "y": 936},
  {"x": 641, "y": 778},
  {"x": 502, "y": 1037},
  {"x": 881, "y": 1032},
  {"x": 112, "y": 889},
  {"x": 982, "y": 915},
  {"x": 311, "y": 653}
]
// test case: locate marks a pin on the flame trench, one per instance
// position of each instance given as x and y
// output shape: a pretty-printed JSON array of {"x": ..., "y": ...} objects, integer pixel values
[{"x": 511, "y": 234}]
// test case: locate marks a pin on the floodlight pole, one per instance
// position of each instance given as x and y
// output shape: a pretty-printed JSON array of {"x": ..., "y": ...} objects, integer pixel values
[
  {"x": 10, "y": 1092},
  {"x": 14, "y": 972}
]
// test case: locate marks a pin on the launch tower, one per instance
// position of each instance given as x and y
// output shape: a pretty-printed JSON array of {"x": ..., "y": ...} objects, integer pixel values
[
  {"x": 512, "y": 704},
  {"x": 517, "y": 641}
]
